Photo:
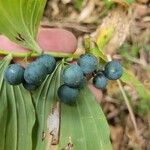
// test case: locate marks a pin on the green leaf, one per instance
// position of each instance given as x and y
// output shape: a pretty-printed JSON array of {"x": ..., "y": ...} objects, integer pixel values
[
  {"x": 78, "y": 4},
  {"x": 108, "y": 3},
  {"x": 3, "y": 64},
  {"x": 84, "y": 125},
  {"x": 94, "y": 50},
  {"x": 143, "y": 92},
  {"x": 33, "y": 14},
  {"x": 104, "y": 36},
  {"x": 20, "y": 20},
  {"x": 98, "y": 53},
  {"x": 129, "y": 1},
  {"x": 102, "y": 39},
  {"x": 44, "y": 98},
  {"x": 17, "y": 115},
  {"x": 87, "y": 43},
  {"x": 130, "y": 79}
]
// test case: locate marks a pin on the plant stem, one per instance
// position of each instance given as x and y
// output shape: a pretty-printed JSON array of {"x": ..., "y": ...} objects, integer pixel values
[
  {"x": 30, "y": 54},
  {"x": 128, "y": 106}
]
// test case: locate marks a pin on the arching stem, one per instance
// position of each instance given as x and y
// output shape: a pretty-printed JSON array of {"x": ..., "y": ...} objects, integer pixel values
[{"x": 33, "y": 54}]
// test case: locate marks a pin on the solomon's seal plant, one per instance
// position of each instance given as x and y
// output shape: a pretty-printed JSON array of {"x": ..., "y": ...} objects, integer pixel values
[
  {"x": 55, "y": 81},
  {"x": 73, "y": 75}
]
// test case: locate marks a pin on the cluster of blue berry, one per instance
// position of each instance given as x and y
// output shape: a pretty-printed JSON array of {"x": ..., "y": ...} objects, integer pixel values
[
  {"x": 33, "y": 75},
  {"x": 74, "y": 76}
]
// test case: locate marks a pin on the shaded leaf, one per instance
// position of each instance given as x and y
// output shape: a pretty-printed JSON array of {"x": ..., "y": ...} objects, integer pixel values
[
  {"x": 98, "y": 53},
  {"x": 17, "y": 115},
  {"x": 44, "y": 99},
  {"x": 3, "y": 64},
  {"x": 84, "y": 125}
]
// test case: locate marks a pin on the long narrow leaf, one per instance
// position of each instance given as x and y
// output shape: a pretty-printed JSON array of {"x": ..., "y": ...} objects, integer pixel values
[
  {"x": 19, "y": 21},
  {"x": 84, "y": 125},
  {"x": 44, "y": 98},
  {"x": 17, "y": 115}
]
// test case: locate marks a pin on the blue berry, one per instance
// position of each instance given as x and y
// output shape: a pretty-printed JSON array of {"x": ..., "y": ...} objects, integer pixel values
[
  {"x": 88, "y": 63},
  {"x": 48, "y": 61},
  {"x": 67, "y": 94},
  {"x": 113, "y": 70},
  {"x": 35, "y": 73},
  {"x": 100, "y": 81},
  {"x": 30, "y": 87},
  {"x": 14, "y": 74},
  {"x": 73, "y": 75}
]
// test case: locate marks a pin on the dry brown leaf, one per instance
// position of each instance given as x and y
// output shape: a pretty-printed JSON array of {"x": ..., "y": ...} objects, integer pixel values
[
  {"x": 143, "y": 1},
  {"x": 120, "y": 21},
  {"x": 135, "y": 141},
  {"x": 86, "y": 12},
  {"x": 66, "y": 1},
  {"x": 140, "y": 25},
  {"x": 53, "y": 124},
  {"x": 116, "y": 136},
  {"x": 112, "y": 88}
]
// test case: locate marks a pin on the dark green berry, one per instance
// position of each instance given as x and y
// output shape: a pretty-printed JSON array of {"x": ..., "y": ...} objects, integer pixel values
[
  {"x": 14, "y": 74},
  {"x": 35, "y": 73},
  {"x": 73, "y": 75},
  {"x": 48, "y": 61},
  {"x": 100, "y": 81},
  {"x": 30, "y": 87},
  {"x": 88, "y": 63},
  {"x": 67, "y": 94},
  {"x": 113, "y": 70}
]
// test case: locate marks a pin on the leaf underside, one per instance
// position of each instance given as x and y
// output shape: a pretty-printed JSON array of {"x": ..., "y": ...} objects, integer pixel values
[{"x": 20, "y": 20}]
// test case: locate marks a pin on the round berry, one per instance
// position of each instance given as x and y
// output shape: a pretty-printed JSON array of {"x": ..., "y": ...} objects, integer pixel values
[
  {"x": 35, "y": 73},
  {"x": 88, "y": 63},
  {"x": 100, "y": 81},
  {"x": 48, "y": 61},
  {"x": 113, "y": 70},
  {"x": 30, "y": 87},
  {"x": 14, "y": 74},
  {"x": 67, "y": 94},
  {"x": 73, "y": 75}
]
